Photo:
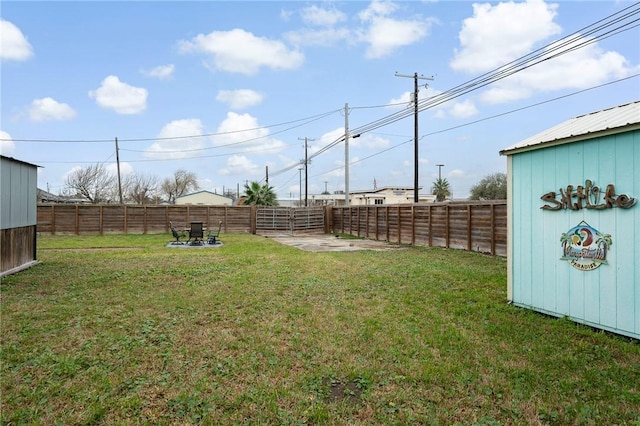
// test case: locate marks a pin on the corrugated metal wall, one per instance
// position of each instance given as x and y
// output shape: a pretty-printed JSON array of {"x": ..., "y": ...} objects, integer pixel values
[
  {"x": 18, "y": 187},
  {"x": 18, "y": 214}
]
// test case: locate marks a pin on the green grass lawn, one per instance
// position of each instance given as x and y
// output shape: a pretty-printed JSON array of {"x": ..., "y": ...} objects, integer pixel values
[{"x": 121, "y": 330}]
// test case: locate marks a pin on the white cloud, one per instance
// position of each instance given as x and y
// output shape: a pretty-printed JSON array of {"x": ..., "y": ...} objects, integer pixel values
[
  {"x": 496, "y": 35},
  {"x": 239, "y": 51},
  {"x": 120, "y": 97},
  {"x": 240, "y": 165},
  {"x": 321, "y": 37},
  {"x": 369, "y": 141},
  {"x": 244, "y": 132},
  {"x": 13, "y": 44},
  {"x": 125, "y": 169},
  {"x": 161, "y": 72},
  {"x": 317, "y": 16},
  {"x": 7, "y": 146},
  {"x": 239, "y": 99},
  {"x": 49, "y": 109},
  {"x": 578, "y": 69},
  {"x": 464, "y": 109},
  {"x": 384, "y": 34},
  {"x": 178, "y": 139},
  {"x": 456, "y": 173}
]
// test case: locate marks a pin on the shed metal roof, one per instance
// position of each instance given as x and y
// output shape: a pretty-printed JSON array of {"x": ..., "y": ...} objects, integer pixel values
[{"x": 607, "y": 121}]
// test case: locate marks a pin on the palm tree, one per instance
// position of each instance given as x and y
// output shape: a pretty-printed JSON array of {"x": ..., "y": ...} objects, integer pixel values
[
  {"x": 604, "y": 241},
  {"x": 441, "y": 189},
  {"x": 261, "y": 195}
]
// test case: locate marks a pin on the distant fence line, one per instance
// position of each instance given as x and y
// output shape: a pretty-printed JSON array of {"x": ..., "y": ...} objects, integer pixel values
[
  {"x": 124, "y": 219},
  {"x": 473, "y": 226}
]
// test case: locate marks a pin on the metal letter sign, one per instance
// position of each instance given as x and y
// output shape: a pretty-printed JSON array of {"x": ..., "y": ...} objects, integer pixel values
[
  {"x": 584, "y": 247},
  {"x": 587, "y": 197}
]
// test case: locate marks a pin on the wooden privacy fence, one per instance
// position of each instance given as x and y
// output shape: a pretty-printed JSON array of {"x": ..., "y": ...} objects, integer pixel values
[
  {"x": 473, "y": 226},
  {"x": 118, "y": 219}
]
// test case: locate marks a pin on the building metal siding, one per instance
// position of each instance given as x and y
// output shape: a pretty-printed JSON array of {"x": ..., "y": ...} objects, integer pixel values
[
  {"x": 18, "y": 193},
  {"x": 607, "y": 297}
]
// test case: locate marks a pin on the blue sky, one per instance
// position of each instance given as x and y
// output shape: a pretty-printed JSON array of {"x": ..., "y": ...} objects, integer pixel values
[{"x": 227, "y": 89}]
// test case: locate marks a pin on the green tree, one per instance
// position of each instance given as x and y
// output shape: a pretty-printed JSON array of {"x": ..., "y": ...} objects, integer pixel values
[
  {"x": 441, "y": 189},
  {"x": 491, "y": 187},
  {"x": 261, "y": 195}
]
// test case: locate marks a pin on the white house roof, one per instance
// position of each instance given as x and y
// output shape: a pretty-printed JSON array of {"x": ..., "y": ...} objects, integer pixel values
[
  {"x": 606, "y": 121},
  {"x": 383, "y": 189},
  {"x": 204, "y": 192}
]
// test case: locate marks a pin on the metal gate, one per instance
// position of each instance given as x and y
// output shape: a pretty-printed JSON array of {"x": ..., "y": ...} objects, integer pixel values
[{"x": 289, "y": 220}]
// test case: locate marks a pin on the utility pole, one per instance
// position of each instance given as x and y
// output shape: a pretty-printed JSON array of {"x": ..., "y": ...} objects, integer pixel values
[
  {"x": 346, "y": 154},
  {"x": 415, "y": 128},
  {"x": 439, "y": 166},
  {"x": 118, "y": 167},
  {"x": 300, "y": 186},
  {"x": 267, "y": 175},
  {"x": 306, "y": 175}
]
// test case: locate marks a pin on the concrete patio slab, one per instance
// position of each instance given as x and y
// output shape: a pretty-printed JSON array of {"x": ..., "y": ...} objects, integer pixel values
[{"x": 319, "y": 243}]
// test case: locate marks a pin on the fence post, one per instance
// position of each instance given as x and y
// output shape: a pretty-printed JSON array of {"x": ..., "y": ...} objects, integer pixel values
[
  {"x": 386, "y": 225},
  {"x": 376, "y": 219},
  {"x": 126, "y": 220},
  {"x": 469, "y": 226},
  {"x": 53, "y": 220},
  {"x": 328, "y": 219},
  {"x": 399, "y": 226},
  {"x": 413, "y": 225},
  {"x": 493, "y": 230},
  {"x": 101, "y": 221},
  {"x": 77, "y": 220},
  {"x": 253, "y": 217},
  {"x": 447, "y": 225},
  {"x": 367, "y": 219},
  {"x": 430, "y": 227}
]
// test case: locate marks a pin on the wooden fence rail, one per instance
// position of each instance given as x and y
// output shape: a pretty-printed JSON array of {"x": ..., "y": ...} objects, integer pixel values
[
  {"x": 474, "y": 226},
  {"x": 117, "y": 219},
  {"x": 479, "y": 226}
]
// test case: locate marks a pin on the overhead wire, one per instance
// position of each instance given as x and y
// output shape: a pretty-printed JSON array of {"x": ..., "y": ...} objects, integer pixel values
[
  {"x": 545, "y": 53},
  {"x": 306, "y": 121},
  {"x": 481, "y": 120}
]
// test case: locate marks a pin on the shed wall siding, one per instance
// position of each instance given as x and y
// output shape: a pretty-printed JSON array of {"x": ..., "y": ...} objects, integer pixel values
[
  {"x": 18, "y": 186},
  {"x": 609, "y": 296}
]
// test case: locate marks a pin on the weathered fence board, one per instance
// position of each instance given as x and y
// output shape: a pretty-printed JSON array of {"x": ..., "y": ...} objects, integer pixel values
[{"x": 474, "y": 226}]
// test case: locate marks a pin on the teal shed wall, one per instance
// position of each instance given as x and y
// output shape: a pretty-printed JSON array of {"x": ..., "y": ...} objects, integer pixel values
[{"x": 607, "y": 297}]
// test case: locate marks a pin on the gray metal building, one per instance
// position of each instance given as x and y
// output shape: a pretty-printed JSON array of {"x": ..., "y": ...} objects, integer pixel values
[{"x": 18, "y": 215}]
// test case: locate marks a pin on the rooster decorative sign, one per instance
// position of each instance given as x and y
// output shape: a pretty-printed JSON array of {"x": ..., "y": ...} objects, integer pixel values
[{"x": 584, "y": 247}]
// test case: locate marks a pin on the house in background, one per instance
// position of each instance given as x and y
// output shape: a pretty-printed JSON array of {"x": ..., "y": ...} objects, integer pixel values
[
  {"x": 573, "y": 218},
  {"x": 206, "y": 198},
  {"x": 377, "y": 196},
  {"x": 18, "y": 215},
  {"x": 388, "y": 195}
]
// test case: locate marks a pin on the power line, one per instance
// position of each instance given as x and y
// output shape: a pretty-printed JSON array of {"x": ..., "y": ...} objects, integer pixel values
[
  {"x": 484, "y": 119},
  {"x": 305, "y": 120}
]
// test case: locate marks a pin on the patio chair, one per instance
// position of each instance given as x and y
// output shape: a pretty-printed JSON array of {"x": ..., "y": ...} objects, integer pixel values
[
  {"x": 214, "y": 238},
  {"x": 177, "y": 235},
  {"x": 196, "y": 233}
]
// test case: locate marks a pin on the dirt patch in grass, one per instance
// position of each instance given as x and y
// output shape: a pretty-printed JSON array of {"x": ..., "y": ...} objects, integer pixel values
[{"x": 348, "y": 392}]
